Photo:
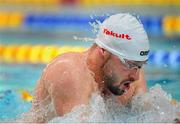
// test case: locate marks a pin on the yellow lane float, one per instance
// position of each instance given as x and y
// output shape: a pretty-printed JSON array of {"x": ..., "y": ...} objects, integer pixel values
[
  {"x": 22, "y": 53},
  {"x": 48, "y": 53},
  {"x": 9, "y": 53},
  {"x": 34, "y": 54}
]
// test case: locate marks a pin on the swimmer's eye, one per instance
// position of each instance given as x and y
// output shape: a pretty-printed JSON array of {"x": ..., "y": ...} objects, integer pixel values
[
  {"x": 133, "y": 65},
  {"x": 139, "y": 66}
]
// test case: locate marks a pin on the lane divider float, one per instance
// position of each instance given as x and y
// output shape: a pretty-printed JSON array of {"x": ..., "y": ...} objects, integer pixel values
[
  {"x": 43, "y": 54},
  {"x": 34, "y": 54}
]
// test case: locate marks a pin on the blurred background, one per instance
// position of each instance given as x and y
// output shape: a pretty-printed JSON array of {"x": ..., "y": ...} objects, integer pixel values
[{"x": 32, "y": 32}]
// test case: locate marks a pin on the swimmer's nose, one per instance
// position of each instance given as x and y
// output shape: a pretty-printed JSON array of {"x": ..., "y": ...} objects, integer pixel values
[{"x": 134, "y": 74}]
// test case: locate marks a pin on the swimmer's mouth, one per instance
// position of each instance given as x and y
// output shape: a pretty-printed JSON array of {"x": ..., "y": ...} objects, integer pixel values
[
  {"x": 125, "y": 86},
  {"x": 120, "y": 90}
]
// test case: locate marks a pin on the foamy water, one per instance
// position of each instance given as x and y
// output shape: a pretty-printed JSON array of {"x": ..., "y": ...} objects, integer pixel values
[{"x": 154, "y": 106}]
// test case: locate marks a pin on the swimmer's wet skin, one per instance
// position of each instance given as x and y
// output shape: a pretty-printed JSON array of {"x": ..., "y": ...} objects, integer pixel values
[{"x": 111, "y": 67}]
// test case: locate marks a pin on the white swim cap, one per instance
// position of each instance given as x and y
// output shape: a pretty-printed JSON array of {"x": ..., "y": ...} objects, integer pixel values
[{"x": 124, "y": 36}]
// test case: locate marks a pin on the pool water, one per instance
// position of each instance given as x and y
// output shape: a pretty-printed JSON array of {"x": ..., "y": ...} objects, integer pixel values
[{"x": 17, "y": 77}]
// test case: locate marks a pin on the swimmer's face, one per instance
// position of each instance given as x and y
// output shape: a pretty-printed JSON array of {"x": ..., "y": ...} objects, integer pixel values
[{"x": 118, "y": 77}]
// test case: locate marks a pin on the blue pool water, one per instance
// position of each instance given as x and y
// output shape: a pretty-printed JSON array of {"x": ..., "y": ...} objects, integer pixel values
[{"x": 14, "y": 77}]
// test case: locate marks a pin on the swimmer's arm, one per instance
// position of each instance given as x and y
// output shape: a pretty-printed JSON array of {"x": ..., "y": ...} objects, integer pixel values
[
  {"x": 60, "y": 80},
  {"x": 66, "y": 90},
  {"x": 66, "y": 96}
]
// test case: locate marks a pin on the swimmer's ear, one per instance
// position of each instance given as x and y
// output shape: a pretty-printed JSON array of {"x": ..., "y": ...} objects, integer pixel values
[
  {"x": 102, "y": 50},
  {"x": 105, "y": 53}
]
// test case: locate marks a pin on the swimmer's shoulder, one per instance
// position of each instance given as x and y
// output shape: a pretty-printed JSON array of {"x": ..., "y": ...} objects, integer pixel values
[
  {"x": 63, "y": 71},
  {"x": 61, "y": 64},
  {"x": 67, "y": 57}
]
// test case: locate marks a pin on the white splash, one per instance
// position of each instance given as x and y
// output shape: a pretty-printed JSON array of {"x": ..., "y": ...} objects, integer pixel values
[
  {"x": 95, "y": 25},
  {"x": 95, "y": 28},
  {"x": 154, "y": 106},
  {"x": 86, "y": 39}
]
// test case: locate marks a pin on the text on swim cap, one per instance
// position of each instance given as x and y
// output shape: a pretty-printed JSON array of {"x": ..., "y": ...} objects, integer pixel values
[
  {"x": 111, "y": 33},
  {"x": 144, "y": 53}
]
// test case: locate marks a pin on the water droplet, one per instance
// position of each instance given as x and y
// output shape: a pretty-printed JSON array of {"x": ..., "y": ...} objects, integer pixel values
[
  {"x": 165, "y": 65},
  {"x": 162, "y": 113},
  {"x": 164, "y": 82}
]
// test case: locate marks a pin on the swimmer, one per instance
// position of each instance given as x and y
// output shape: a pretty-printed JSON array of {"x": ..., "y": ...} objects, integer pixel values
[{"x": 112, "y": 66}]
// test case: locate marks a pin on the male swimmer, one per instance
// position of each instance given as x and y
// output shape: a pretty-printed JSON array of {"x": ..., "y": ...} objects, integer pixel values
[{"x": 111, "y": 66}]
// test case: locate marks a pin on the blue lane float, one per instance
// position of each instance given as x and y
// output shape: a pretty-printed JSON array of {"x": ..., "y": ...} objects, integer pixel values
[
  {"x": 152, "y": 24},
  {"x": 174, "y": 59},
  {"x": 54, "y": 21},
  {"x": 165, "y": 59}
]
